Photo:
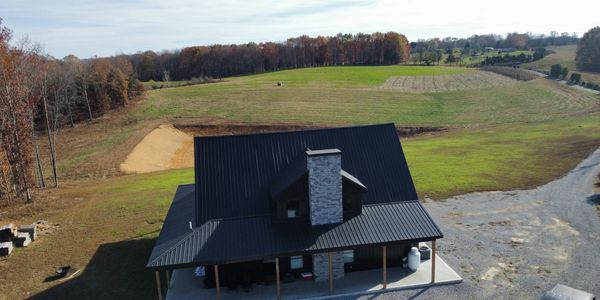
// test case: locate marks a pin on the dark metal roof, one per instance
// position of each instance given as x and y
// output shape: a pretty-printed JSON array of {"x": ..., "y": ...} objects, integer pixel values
[
  {"x": 176, "y": 224},
  {"x": 230, "y": 200},
  {"x": 234, "y": 174},
  {"x": 353, "y": 180},
  {"x": 257, "y": 237},
  {"x": 290, "y": 174}
]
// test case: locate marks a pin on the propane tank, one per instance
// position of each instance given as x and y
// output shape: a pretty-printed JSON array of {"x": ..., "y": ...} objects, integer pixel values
[{"x": 414, "y": 259}]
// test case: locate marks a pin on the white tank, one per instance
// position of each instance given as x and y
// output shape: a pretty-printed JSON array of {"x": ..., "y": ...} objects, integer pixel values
[{"x": 414, "y": 259}]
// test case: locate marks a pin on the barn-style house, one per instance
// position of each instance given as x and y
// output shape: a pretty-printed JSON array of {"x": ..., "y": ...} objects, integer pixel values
[{"x": 313, "y": 203}]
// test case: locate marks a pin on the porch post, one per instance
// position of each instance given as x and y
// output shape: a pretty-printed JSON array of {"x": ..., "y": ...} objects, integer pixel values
[
  {"x": 277, "y": 275},
  {"x": 216, "y": 267},
  {"x": 168, "y": 278},
  {"x": 384, "y": 267},
  {"x": 330, "y": 273},
  {"x": 158, "y": 287},
  {"x": 433, "y": 261}
]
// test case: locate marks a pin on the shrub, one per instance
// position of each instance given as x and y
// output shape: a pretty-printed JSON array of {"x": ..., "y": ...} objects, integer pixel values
[
  {"x": 564, "y": 72},
  {"x": 575, "y": 78},
  {"x": 555, "y": 71}
]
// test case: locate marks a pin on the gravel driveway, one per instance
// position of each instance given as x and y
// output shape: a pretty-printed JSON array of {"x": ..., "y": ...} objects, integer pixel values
[{"x": 518, "y": 244}]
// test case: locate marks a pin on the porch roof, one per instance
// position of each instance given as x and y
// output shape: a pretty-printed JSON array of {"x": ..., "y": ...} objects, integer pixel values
[{"x": 258, "y": 237}]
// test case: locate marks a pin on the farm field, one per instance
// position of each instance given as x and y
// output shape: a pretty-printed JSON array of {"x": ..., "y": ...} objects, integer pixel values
[
  {"x": 257, "y": 99},
  {"x": 345, "y": 76},
  {"x": 501, "y": 137},
  {"x": 446, "y": 83}
]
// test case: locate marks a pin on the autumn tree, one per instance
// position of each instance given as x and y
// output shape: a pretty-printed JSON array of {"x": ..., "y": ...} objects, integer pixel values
[
  {"x": 16, "y": 102},
  {"x": 516, "y": 40}
]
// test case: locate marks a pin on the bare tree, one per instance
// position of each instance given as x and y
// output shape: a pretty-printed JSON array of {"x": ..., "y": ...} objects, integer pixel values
[
  {"x": 49, "y": 129},
  {"x": 166, "y": 76}
]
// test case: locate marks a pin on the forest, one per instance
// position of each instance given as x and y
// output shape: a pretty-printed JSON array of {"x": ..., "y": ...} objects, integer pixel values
[
  {"x": 39, "y": 95},
  {"x": 218, "y": 61}
]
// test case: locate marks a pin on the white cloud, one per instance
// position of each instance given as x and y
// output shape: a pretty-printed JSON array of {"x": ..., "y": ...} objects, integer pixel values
[{"x": 88, "y": 28}]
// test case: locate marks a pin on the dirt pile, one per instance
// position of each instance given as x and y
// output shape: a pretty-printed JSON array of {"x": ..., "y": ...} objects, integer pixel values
[{"x": 162, "y": 149}]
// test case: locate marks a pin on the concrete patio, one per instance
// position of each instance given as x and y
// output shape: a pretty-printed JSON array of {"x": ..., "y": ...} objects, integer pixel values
[{"x": 184, "y": 285}]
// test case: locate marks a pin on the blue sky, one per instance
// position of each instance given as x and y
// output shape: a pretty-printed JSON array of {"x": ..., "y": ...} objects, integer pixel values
[{"x": 87, "y": 28}]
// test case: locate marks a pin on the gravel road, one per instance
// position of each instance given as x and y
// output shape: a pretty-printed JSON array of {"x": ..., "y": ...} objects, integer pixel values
[{"x": 518, "y": 244}]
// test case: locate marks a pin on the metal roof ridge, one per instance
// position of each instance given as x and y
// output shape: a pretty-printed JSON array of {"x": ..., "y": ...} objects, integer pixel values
[
  {"x": 290, "y": 131},
  {"x": 235, "y": 218},
  {"x": 353, "y": 179},
  {"x": 390, "y": 203},
  {"x": 181, "y": 240}
]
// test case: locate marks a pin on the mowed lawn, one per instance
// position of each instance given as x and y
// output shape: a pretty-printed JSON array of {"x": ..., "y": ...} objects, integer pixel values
[
  {"x": 347, "y": 76},
  {"x": 311, "y": 96},
  {"x": 501, "y": 157},
  {"x": 105, "y": 229}
]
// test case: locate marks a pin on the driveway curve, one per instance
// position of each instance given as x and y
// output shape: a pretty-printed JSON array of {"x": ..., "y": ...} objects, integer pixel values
[{"x": 518, "y": 244}]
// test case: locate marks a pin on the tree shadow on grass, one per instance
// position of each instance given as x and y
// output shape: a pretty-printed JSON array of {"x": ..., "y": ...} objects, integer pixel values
[{"x": 116, "y": 271}]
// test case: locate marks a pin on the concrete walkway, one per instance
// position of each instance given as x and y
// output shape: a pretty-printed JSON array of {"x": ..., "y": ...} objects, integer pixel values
[{"x": 185, "y": 286}]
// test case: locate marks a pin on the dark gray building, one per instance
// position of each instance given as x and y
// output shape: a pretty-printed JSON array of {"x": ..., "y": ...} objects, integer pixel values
[{"x": 314, "y": 203}]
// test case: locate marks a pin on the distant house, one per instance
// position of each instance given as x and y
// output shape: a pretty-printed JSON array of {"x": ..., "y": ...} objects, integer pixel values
[
  {"x": 316, "y": 202},
  {"x": 506, "y": 50}
]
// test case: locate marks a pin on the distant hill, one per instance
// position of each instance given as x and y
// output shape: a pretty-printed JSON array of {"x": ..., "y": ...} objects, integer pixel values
[{"x": 565, "y": 56}]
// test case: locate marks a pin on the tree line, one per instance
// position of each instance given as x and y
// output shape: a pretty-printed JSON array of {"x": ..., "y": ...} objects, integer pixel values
[
  {"x": 218, "y": 61},
  {"x": 513, "y": 40},
  {"x": 39, "y": 95}
]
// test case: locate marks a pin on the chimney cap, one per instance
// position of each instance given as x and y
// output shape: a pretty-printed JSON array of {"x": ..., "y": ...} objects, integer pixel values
[{"x": 323, "y": 152}]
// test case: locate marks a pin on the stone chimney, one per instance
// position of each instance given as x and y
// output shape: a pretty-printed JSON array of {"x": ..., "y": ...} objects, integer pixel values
[{"x": 325, "y": 186}]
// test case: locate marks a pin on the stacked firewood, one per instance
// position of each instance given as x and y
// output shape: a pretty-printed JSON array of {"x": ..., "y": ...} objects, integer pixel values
[{"x": 12, "y": 236}]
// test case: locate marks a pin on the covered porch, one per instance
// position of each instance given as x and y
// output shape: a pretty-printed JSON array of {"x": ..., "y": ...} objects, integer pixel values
[{"x": 184, "y": 285}]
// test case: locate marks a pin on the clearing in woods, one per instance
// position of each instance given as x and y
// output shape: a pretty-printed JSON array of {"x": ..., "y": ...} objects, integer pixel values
[{"x": 445, "y": 83}]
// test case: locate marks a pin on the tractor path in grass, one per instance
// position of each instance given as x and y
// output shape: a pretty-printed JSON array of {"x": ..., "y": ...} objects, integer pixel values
[{"x": 518, "y": 244}]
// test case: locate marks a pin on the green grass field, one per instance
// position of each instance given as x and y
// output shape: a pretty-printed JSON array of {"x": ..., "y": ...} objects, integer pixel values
[
  {"x": 348, "y": 76},
  {"x": 309, "y": 96},
  {"x": 501, "y": 157}
]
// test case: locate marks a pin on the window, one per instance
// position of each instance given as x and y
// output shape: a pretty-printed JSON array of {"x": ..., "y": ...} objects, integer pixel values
[
  {"x": 292, "y": 213},
  {"x": 296, "y": 262},
  {"x": 292, "y": 209},
  {"x": 348, "y": 256}
]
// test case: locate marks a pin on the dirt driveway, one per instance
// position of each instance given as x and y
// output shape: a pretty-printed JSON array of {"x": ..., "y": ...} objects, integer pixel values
[{"x": 518, "y": 244}]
